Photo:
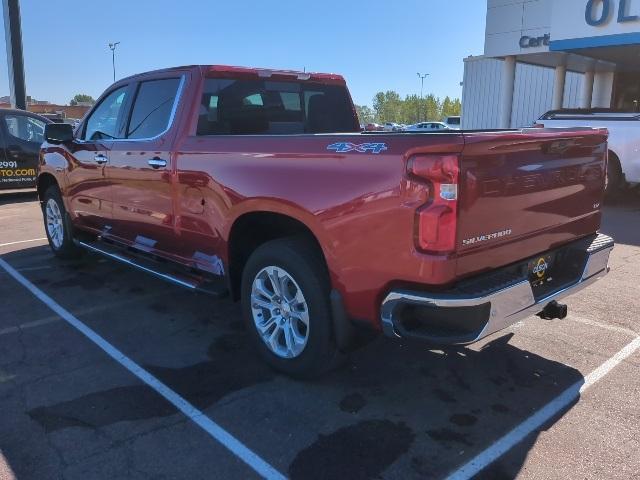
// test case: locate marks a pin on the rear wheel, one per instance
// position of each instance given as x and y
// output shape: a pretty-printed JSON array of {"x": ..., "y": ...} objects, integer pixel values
[
  {"x": 57, "y": 225},
  {"x": 286, "y": 306}
]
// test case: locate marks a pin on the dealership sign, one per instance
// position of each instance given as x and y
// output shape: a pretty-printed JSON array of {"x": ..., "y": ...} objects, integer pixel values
[
  {"x": 531, "y": 42},
  {"x": 580, "y": 24},
  {"x": 600, "y": 12}
]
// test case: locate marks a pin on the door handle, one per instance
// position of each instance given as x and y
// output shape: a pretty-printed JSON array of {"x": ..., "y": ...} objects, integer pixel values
[
  {"x": 157, "y": 162},
  {"x": 100, "y": 159}
]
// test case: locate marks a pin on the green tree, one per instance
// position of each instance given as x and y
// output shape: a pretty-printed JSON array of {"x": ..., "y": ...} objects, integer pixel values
[
  {"x": 82, "y": 98},
  {"x": 365, "y": 114},
  {"x": 389, "y": 107}
]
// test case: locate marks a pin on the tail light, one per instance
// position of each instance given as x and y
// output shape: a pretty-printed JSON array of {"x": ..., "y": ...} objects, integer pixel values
[{"x": 437, "y": 220}]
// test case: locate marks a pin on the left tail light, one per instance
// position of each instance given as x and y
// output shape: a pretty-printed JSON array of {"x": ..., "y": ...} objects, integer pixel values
[{"x": 437, "y": 220}]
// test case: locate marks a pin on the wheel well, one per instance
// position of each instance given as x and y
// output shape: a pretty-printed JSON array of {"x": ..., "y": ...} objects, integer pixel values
[
  {"x": 252, "y": 230},
  {"x": 44, "y": 182}
]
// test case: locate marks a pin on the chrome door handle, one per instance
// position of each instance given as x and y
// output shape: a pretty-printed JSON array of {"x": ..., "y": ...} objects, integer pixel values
[
  {"x": 157, "y": 162},
  {"x": 100, "y": 159}
]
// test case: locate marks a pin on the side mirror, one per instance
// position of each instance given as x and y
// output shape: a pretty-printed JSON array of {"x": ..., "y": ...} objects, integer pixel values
[{"x": 58, "y": 132}]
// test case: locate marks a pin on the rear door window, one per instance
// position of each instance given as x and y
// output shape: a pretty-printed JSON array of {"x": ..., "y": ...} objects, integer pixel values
[
  {"x": 152, "y": 108},
  {"x": 266, "y": 107}
]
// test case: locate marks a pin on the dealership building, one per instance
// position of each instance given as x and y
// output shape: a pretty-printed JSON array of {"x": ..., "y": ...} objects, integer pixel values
[{"x": 542, "y": 55}]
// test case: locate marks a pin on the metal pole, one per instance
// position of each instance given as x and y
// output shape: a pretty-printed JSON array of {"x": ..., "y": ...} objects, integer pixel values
[
  {"x": 113, "y": 46},
  {"x": 422, "y": 77},
  {"x": 15, "y": 61}
]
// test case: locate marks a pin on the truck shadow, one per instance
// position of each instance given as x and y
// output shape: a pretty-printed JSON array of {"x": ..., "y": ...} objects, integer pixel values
[
  {"x": 17, "y": 196},
  {"x": 621, "y": 217},
  {"x": 396, "y": 408}
]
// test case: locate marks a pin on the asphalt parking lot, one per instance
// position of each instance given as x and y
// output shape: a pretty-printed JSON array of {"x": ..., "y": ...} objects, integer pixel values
[{"x": 395, "y": 411}]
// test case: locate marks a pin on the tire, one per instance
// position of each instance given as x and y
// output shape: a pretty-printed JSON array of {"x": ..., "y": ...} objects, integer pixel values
[
  {"x": 302, "y": 279},
  {"x": 57, "y": 225},
  {"x": 615, "y": 177}
]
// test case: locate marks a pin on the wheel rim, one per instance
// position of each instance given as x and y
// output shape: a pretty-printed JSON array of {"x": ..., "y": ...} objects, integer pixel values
[
  {"x": 280, "y": 312},
  {"x": 55, "y": 227}
]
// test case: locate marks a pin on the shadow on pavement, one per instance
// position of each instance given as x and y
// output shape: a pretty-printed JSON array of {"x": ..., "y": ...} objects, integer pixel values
[
  {"x": 618, "y": 221},
  {"x": 395, "y": 408},
  {"x": 17, "y": 196}
]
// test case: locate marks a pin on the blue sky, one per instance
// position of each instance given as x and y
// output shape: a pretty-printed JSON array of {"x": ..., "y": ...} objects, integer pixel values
[{"x": 377, "y": 45}]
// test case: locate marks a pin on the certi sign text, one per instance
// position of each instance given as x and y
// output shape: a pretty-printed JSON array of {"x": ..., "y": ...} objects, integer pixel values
[{"x": 532, "y": 42}]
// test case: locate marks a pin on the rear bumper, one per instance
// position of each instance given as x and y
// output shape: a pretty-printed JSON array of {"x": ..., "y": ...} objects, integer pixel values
[{"x": 459, "y": 318}]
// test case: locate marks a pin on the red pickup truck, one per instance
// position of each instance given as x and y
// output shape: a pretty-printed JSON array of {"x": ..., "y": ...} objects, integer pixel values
[{"x": 259, "y": 183}]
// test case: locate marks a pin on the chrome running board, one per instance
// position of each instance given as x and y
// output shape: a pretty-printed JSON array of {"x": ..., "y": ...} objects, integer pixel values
[{"x": 160, "y": 270}]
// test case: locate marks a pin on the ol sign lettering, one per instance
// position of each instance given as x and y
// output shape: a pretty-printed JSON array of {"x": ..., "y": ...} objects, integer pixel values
[{"x": 598, "y": 12}]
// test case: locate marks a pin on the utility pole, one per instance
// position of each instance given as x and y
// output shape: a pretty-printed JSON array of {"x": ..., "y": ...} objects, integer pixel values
[
  {"x": 15, "y": 61},
  {"x": 421, "y": 77},
  {"x": 112, "y": 47}
]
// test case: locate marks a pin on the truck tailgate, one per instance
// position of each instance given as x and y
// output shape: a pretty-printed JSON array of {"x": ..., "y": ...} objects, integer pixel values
[{"x": 523, "y": 193}]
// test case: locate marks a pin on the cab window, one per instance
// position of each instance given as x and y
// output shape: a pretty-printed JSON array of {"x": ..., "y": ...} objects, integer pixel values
[
  {"x": 152, "y": 108},
  {"x": 103, "y": 121},
  {"x": 267, "y": 107}
]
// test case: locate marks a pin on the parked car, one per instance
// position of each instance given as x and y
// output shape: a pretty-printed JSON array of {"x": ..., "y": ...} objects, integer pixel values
[
  {"x": 427, "y": 127},
  {"x": 391, "y": 127},
  {"x": 21, "y": 134},
  {"x": 453, "y": 122},
  {"x": 624, "y": 140},
  {"x": 259, "y": 184},
  {"x": 374, "y": 127}
]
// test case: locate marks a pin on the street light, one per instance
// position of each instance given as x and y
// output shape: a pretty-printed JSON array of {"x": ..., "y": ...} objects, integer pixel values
[
  {"x": 421, "y": 77},
  {"x": 113, "y": 46}
]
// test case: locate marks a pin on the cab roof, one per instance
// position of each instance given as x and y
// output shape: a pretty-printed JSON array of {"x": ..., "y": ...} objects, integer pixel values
[{"x": 226, "y": 71}]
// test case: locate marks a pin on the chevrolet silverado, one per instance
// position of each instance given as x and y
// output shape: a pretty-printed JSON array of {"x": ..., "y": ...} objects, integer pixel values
[{"x": 259, "y": 184}]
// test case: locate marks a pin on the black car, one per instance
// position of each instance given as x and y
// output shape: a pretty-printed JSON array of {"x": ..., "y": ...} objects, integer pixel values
[{"x": 21, "y": 134}]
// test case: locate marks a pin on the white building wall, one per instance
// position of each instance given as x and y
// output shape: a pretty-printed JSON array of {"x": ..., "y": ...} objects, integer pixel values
[
  {"x": 572, "y": 90},
  {"x": 481, "y": 93},
  {"x": 533, "y": 93}
]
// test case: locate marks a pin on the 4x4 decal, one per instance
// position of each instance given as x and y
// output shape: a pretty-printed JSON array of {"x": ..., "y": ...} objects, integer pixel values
[{"x": 346, "y": 147}]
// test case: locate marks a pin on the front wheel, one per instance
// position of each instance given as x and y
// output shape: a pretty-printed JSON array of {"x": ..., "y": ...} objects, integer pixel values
[
  {"x": 286, "y": 306},
  {"x": 57, "y": 225}
]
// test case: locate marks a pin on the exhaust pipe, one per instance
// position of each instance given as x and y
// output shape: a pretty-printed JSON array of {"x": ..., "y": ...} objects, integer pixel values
[{"x": 554, "y": 310}]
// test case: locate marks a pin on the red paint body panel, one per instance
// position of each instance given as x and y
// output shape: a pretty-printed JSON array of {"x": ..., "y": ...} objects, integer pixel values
[{"x": 544, "y": 187}]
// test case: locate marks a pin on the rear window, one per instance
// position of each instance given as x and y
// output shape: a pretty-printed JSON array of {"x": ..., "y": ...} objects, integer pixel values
[
  {"x": 152, "y": 108},
  {"x": 254, "y": 107},
  {"x": 453, "y": 120}
]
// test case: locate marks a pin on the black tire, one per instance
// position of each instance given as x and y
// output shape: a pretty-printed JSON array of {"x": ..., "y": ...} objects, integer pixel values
[
  {"x": 66, "y": 248},
  {"x": 615, "y": 177},
  {"x": 301, "y": 260}
]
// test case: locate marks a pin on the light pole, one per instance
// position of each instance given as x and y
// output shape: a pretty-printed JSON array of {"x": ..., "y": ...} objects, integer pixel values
[
  {"x": 421, "y": 77},
  {"x": 112, "y": 47}
]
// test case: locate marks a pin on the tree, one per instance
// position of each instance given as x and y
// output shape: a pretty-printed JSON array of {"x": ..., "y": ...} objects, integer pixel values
[
  {"x": 82, "y": 98},
  {"x": 365, "y": 114},
  {"x": 389, "y": 107}
]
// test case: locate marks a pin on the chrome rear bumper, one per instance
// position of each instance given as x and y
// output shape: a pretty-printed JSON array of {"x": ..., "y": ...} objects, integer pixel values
[{"x": 508, "y": 305}]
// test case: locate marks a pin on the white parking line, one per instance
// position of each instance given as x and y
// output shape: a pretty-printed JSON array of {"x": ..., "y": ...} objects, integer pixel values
[
  {"x": 232, "y": 444},
  {"x": 612, "y": 328},
  {"x": 22, "y": 241},
  {"x": 538, "y": 419}
]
